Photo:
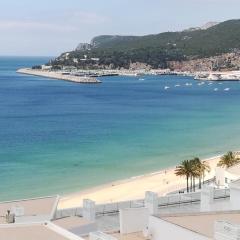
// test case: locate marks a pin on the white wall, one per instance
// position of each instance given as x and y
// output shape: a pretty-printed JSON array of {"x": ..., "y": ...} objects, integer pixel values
[
  {"x": 100, "y": 236},
  {"x": 226, "y": 231},
  {"x": 235, "y": 198},
  {"x": 89, "y": 210},
  {"x": 133, "y": 220},
  {"x": 151, "y": 202},
  {"x": 220, "y": 176},
  {"x": 84, "y": 230},
  {"x": 163, "y": 230},
  {"x": 207, "y": 198}
]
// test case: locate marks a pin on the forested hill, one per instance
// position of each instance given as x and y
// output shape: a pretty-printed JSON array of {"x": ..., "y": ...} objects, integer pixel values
[{"x": 156, "y": 50}]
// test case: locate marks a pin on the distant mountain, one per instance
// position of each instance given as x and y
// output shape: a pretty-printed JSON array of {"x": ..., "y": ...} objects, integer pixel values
[
  {"x": 204, "y": 27},
  {"x": 83, "y": 47},
  {"x": 209, "y": 25},
  {"x": 157, "y": 50},
  {"x": 105, "y": 40}
]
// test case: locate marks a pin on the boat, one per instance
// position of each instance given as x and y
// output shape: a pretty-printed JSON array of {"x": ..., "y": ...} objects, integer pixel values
[
  {"x": 166, "y": 87},
  {"x": 226, "y": 89}
]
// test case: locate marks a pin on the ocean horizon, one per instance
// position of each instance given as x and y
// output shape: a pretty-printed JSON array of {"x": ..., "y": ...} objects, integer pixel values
[{"x": 59, "y": 137}]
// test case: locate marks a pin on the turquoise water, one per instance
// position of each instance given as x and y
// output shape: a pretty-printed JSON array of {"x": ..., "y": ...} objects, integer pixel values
[{"x": 60, "y": 137}]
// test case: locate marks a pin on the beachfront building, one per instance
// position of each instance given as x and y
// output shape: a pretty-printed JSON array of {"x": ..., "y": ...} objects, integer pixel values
[
  {"x": 208, "y": 214},
  {"x": 36, "y": 231},
  {"x": 36, "y": 219},
  {"x": 224, "y": 176},
  {"x": 28, "y": 210}
]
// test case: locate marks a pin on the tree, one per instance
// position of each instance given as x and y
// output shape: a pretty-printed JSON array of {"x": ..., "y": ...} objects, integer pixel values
[
  {"x": 205, "y": 168},
  {"x": 198, "y": 170},
  {"x": 195, "y": 170},
  {"x": 228, "y": 160},
  {"x": 184, "y": 169}
]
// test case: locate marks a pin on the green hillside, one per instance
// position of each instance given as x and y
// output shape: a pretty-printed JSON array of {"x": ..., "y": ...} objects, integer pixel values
[{"x": 157, "y": 50}]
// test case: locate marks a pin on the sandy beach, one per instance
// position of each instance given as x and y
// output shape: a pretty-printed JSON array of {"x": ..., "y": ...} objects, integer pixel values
[{"x": 162, "y": 182}]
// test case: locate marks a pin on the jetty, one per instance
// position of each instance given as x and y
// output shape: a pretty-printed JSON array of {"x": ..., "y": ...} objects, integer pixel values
[{"x": 59, "y": 75}]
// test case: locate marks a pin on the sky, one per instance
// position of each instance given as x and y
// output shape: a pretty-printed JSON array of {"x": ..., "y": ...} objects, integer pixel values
[{"x": 50, "y": 27}]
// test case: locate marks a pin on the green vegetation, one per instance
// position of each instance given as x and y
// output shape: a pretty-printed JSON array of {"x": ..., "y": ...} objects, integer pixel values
[
  {"x": 228, "y": 160},
  {"x": 192, "y": 169},
  {"x": 157, "y": 50}
]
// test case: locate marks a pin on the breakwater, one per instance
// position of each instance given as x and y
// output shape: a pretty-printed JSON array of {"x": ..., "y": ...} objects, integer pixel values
[{"x": 58, "y": 75}]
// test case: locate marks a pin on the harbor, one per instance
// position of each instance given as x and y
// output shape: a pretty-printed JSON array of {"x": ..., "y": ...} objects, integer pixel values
[{"x": 73, "y": 74}]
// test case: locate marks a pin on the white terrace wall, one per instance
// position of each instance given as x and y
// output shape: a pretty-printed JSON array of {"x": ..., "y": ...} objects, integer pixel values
[
  {"x": 89, "y": 210},
  {"x": 160, "y": 229},
  {"x": 207, "y": 198},
  {"x": 168, "y": 200},
  {"x": 220, "y": 176},
  {"x": 133, "y": 220},
  {"x": 226, "y": 231},
  {"x": 100, "y": 208},
  {"x": 235, "y": 197},
  {"x": 100, "y": 236},
  {"x": 151, "y": 202}
]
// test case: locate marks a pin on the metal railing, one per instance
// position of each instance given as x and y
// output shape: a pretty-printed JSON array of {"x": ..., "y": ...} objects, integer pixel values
[
  {"x": 169, "y": 200},
  {"x": 190, "y": 198}
]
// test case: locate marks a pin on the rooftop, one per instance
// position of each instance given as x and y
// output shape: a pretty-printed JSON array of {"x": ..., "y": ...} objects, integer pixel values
[
  {"x": 70, "y": 222},
  {"x": 31, "y": 207},
  {"x": 34, "y": 231},
  {"x": 202, "y": 223},
  {"x": 132, "y": 236}
]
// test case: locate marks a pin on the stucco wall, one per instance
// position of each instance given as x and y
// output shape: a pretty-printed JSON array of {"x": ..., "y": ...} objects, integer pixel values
[{"x": 163, "y": 230}]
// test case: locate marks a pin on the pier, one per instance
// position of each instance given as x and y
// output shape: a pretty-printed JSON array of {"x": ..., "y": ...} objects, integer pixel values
[{"x": 59, "y": 75}]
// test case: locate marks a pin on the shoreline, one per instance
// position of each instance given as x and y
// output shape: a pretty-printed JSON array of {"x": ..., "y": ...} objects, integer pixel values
[
  {"x": 59, "y": 76},
  {"x": 163, "y": 182}
]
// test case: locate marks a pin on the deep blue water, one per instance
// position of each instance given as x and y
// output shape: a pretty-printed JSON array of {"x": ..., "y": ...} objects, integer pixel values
[{"x": 60, "y": 137}]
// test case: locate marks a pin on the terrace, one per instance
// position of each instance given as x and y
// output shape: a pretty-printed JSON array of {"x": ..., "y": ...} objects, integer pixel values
[{"x": 36, "y": 209}]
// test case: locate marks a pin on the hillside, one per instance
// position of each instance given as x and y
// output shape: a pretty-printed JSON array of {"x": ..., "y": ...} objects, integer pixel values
[{"x": 156, "y": 50}]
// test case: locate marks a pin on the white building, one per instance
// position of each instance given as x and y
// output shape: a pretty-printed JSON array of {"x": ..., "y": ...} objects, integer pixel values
[
  {"x": 209, "y": 214},
  {"x": 224, "y": 176}
]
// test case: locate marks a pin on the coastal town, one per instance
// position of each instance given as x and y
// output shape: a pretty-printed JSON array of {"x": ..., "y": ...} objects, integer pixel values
[{"x": 219, "y": 68}]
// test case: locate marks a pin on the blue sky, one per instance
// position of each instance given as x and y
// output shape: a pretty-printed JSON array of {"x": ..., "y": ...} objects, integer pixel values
[{"x": 49, "y": 27}]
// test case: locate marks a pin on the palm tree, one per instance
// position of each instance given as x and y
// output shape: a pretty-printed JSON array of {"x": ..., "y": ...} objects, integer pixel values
[
  {"x": 198, "y": 170},
  {"x": 184, "y": 169},
  {"x": 228, "y": 160},
  {"x": 205, "y": 168}
]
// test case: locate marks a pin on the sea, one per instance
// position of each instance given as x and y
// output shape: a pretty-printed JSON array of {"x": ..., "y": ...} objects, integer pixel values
[{"x": 58, "y": 137}]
